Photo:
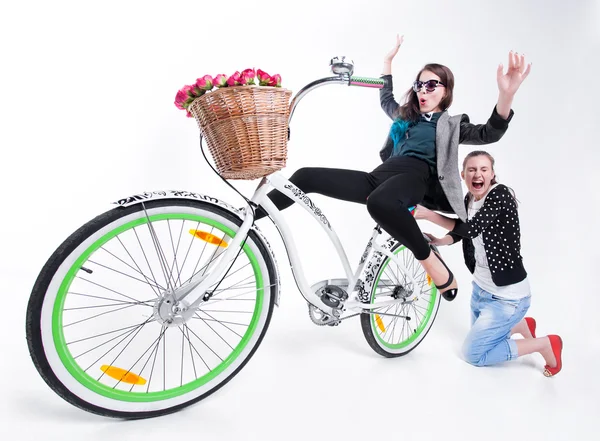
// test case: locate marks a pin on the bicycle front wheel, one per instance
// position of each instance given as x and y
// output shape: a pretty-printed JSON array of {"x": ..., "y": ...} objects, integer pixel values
[
  {"x": 393, "y": 331},
  {"x": 95, "y": 324}
]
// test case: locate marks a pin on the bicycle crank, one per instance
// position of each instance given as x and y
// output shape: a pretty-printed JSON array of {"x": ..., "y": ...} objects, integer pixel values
[{"x": 321, "y": 318}]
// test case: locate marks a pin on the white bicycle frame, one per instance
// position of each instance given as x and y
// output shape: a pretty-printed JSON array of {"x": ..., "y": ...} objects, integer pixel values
[{"x": 201, "y": 283}]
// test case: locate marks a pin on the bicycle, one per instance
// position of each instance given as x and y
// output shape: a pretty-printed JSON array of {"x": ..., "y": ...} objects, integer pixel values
[{"x": 108, "y": 345}]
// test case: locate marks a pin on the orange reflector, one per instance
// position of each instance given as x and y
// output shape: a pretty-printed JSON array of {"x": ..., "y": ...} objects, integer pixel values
[
  {"x": 429, "y": 280},
  {"x": 122, "y": 375},
  {"x": 379, "y": 323},
  {"x": 210, "y": 238}
]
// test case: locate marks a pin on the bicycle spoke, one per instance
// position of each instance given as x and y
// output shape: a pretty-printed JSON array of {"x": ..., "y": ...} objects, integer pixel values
[
  {"x": 214, "y": 257},
  {"x": 106, "y": 288},
  {"x": 163, "y": 329},
  {"x": 234, "y": 286},
  {"x": 219, "y": 335},
  {"x": 145, "y": 256},
  {"x": 178, "y": 243},
  {"x": 187, "y": 335},
  {"x": 216, "y": 253},
  {"x": 191, "y": 353},
  {"x": 136, "y": 362},
  {"x": 391, "y": 320},
  {"x": 99, "y": 315},
  {"x": 112, "y": 363},
  {"x": 164, "y": 364},
  {"x": 124, "y": 338},
  {"x": 192, "y": 240},
  {"x": 231, "y": 274},
  {"x": 234, "y": 297},
  {"x": 385, "y": 293},
  {"x": 137, "y": 269},
  {"x": 100, "y": 335},
  {"x": 157, "y": 247},
  {"x": 109, "y": 341},
  {"x": 106, "y": 306},
  {"x": 155, "y": 344},
  {"x": 100, "y": 297},
  {"x": 420, "y": 307},
  {"x": 124, "y": 274},
  {"x": 195, "y": 350},
  {"x": 218, "y": 321},
  {"x": 201, "y": 254},
  {"x": 209, "y": 348},
  {"x": 182, "y": 348},
  {"x": 418, "y": 319},
  {"x": 394, "y": 326},
  {"x": 174, "y": 265}
]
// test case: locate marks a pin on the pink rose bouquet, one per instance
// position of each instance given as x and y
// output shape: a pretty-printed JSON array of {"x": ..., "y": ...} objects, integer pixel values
[{"x": 187, "y": 94}]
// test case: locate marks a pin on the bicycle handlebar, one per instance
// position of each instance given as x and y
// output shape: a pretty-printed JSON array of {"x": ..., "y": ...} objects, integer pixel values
[
  {"x": 344, "y": 70},
  {"x": 376, "y": 83}
]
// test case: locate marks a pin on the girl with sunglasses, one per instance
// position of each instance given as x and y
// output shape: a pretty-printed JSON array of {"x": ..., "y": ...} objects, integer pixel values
[
  {"x": 420, "y": 159},
  {"x": 492, "y": 250}
]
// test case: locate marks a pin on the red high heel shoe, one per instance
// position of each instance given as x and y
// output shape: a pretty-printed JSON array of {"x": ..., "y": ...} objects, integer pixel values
[
  {"x": 557, "y": 346},
  {"x": 531, "y": 325}
]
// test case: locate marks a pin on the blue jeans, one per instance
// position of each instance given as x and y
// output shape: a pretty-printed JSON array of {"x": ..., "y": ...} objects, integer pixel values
[{"x": 488, "y": 342}]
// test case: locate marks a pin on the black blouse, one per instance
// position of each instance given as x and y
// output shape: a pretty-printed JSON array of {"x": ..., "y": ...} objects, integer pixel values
[{"x": 498, "y": 221}]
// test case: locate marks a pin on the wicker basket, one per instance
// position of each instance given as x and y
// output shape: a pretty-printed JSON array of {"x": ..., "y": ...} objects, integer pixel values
[{"x": 246, "y": 129}]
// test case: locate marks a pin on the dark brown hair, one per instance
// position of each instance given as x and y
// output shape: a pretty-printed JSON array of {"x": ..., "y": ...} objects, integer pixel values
[{"x": 410, "y": 110}]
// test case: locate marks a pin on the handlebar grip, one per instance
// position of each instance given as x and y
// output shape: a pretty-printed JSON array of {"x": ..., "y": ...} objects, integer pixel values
[{"x": 376, "y": 83}]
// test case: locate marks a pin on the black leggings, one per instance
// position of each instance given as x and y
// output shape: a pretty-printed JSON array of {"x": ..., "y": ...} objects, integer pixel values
[{"x": 388, "y": 191}]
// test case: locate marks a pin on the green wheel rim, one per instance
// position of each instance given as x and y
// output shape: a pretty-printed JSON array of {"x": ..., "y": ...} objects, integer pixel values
[
  {"x": 422, "y": 326},
  {"x": 86, "y": 380}
]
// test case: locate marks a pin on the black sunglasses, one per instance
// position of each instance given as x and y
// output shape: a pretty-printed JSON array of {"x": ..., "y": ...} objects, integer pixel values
[{"x": 430, "y": 85}]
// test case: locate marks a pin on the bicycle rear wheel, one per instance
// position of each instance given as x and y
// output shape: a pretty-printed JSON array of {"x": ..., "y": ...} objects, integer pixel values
[
  {"x": 94, "y": 325},
  {"x": 393, "y": 331}
]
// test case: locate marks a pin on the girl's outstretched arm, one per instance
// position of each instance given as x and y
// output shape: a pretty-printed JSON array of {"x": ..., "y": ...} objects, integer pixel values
[
  {"x": 389, "y": 57},
  {"x": 386, "y": 94},
  {"x": 509, "y": 82}
]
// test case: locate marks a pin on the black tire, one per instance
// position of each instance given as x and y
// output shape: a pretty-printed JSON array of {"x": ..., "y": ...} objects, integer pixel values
[{"x": 44, "y": 279}]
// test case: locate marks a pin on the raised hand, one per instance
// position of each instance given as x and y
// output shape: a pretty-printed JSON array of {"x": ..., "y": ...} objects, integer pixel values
[
  {"x": 391, "y": 54},
  {"x": 509, "y": 82}
]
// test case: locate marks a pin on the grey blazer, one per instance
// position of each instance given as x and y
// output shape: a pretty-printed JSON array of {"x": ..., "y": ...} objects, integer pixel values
[{"x": 450, "y": 132}]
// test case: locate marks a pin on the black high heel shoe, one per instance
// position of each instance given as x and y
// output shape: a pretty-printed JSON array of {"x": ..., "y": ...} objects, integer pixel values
[{"x": 449, "y": 294}]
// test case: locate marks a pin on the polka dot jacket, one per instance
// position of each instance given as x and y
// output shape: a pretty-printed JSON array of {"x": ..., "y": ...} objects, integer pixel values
[{"x": 498, "y": 221}]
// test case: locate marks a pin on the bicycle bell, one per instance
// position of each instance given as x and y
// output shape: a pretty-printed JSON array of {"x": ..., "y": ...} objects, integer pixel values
[{"x": 341, "y": 66}]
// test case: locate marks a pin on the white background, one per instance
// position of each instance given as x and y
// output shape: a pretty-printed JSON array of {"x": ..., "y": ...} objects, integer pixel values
[{"x": 87, "y": 117}]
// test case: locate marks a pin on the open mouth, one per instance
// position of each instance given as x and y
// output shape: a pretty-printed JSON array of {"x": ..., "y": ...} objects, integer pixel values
[
  {"x": 422, "y": 101},
  {"x": 477, "y": 185}
]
